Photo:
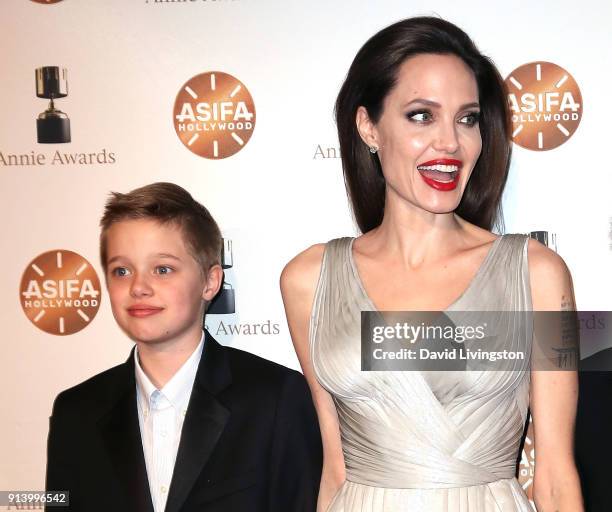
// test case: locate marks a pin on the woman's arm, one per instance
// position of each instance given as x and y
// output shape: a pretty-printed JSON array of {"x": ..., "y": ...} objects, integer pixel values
[
  {"x": 298, "y": 283},
  {"x": 553, "y": 395}
]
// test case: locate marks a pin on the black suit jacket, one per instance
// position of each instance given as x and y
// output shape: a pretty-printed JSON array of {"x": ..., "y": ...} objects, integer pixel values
[{"x": 250, "y": 440}]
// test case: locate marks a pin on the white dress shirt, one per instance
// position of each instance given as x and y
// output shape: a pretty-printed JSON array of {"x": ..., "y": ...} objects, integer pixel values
[{"x": 160, "y": 415}]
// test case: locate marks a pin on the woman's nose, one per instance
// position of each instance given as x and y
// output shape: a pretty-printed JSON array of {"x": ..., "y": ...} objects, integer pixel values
[{"x": 446, "y": 138}]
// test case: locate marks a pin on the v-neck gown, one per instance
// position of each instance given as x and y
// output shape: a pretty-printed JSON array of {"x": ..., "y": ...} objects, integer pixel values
[{"x": 424, "y": 440}]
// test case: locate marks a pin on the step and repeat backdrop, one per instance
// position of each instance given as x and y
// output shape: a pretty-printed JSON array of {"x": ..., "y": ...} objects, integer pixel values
[{"x": 233, "y": 100}]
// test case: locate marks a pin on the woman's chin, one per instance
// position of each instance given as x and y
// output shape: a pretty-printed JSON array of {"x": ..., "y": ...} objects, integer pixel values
[{"x": 441, "y": 206}]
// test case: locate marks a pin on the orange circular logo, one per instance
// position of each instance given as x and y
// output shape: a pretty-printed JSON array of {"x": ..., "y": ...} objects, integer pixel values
[
  {"x": 60, "y": 292},
  {"x": 545, "y": 103},
  {"x": 214, "y": 115}
]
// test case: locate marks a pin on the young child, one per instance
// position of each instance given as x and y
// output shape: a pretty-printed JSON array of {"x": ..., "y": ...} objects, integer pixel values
[{"x": 185, "y": 423}]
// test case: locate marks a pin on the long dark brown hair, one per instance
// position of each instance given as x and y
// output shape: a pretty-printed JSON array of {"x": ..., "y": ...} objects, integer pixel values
[{"x": 370, "y": 79}]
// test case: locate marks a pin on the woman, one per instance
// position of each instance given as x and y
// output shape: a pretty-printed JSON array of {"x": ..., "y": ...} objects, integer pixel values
[{"x": 424, "y": 136}]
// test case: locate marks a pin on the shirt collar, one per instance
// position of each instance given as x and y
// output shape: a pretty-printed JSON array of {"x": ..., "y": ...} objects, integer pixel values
[{"x": 177, "y": 390}]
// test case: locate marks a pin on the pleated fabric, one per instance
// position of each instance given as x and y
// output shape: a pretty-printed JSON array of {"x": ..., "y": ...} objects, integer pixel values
[{"x": 426, "y": 440}]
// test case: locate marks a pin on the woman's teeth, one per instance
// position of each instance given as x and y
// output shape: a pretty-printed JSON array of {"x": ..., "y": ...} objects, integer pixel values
[
  {"x": 441, "y": 168},
  {"x": 440, "y": 173}
]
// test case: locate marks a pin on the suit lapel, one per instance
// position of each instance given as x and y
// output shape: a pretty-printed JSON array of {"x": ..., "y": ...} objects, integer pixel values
[
  {"x": 204, "y": 422},
  {"x": 121, "y": 434}
]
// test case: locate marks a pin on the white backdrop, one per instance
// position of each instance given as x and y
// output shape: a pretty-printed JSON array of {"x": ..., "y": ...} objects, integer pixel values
[{"x": 127, "y": 61}]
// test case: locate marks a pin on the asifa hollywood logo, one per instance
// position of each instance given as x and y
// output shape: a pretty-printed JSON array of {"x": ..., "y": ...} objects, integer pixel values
[
  {"x": 214, "y": 115},
  {"x": 545, "y": 104},
  {"x": 60, "y": 292}
]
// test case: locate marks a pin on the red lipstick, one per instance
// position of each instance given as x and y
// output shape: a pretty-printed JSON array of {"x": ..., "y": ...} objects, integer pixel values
[
  {"x": 443, "y": 161},
  {"x": 443, "y": 180}
]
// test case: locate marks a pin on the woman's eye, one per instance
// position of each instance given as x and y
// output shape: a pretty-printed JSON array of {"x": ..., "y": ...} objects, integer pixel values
[
  {"x": 120, "y": 271},
  {"x": 419, "y": 116},
  {"x": 163, "y": 270},
  {"x": 471, "y": 119}
]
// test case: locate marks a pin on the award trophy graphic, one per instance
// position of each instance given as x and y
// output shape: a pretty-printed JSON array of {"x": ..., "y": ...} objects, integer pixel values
[
  {"x": 52, "y": 125},
  {"x": 546, "y": 238}
]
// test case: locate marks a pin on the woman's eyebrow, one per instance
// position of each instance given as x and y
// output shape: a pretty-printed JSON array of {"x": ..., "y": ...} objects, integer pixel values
[{"x": 437, "y": 105}]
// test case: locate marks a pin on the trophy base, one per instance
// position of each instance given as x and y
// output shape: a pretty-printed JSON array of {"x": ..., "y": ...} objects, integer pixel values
[
  {"x": 224, "y": 303},
  {"x": 53, "y": 130}
]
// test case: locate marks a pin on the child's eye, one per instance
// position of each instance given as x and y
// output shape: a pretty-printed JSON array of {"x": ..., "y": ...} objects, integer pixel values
[
  {"x": 163, "y": 269},
  {"x": 120, "y": 271},
  {"x": 419, "y": 116}
]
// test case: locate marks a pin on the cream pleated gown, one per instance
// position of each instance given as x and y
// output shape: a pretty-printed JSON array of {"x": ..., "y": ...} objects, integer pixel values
[{"x": 424, "y": 441}]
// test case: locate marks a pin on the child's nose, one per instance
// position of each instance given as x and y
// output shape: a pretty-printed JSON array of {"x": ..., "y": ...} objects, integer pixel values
[{"x": 140, "y": 286}]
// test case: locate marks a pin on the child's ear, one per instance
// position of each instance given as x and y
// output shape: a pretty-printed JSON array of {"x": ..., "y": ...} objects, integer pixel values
[{"x": 214, "y": 280}]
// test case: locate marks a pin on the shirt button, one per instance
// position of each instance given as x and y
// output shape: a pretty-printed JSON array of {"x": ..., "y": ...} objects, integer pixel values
[
  {"x": 163, "y": 489},
  {"x": 163, "y": 433}
]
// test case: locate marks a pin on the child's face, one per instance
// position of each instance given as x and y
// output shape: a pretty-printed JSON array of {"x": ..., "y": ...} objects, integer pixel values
[{"x": 155, "y": 285}]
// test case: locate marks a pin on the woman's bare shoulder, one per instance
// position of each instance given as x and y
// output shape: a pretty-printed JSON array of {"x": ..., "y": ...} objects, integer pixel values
[
  {"x": 545, "y": 262},
  {"x": 550, "y": 278},
  {"x": 301, "y": 273}
]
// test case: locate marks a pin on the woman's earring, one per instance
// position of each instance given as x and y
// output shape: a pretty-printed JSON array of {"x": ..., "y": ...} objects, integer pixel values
[{"x": 373, "y": 149}]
